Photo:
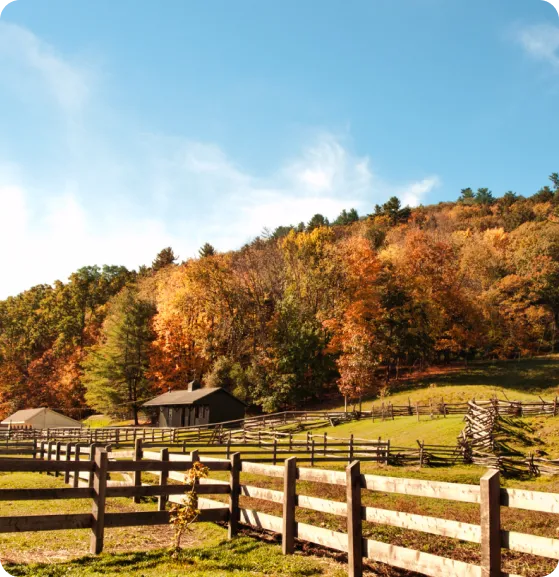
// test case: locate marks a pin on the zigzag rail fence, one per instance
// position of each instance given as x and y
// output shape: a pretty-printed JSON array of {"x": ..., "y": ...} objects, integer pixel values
[
  {"x": 480, "y": 443},
  {"x": 215, "y": 432},
  {"x": 97, "y": 487}
]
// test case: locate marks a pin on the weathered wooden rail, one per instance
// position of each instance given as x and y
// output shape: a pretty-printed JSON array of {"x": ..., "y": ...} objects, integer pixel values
[
  {"x": 480, "y": 443},
  {"x": 172, "y": 466},
  {"x": 216, "y": 431}
]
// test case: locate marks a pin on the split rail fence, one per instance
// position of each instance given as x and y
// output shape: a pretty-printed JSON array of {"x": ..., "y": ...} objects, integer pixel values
[
  {"x": 480, "y": 443},
  {"x": 98, "y": 488},
  {"x": 216, "y": 432}
]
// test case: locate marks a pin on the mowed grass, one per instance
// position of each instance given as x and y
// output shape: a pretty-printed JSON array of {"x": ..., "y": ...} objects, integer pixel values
[
  {"x": 143, "y": 551},
  {"x": 518, "y": 380},
  {"x": 136, "y": 551},
  {"x": 402, "y": 431},
  {"x": 241, "y": 557},
  {"x": 61, "y": 545}
]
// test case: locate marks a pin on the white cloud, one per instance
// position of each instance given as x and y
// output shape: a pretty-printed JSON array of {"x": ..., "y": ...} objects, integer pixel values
[
  {"x": 28, "y": 56},
  {"x": 541, "y": 42},
  {"x": 413, "y": 194},
  {"x": 103, "y": 203}
]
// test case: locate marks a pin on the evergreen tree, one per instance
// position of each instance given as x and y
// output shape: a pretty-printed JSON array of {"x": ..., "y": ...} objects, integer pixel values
[
  {"x": 317, "y": 221},
  {"x": 115, "y": 368},
  {"x": 207, "y": 250},
  {"x": 545, "y": 194},
  {"x": 484, "y": 196},
  {"x": 467, "y": 196},
  {"x": 166, "y": 257},
  {"x": 347, "y": 217},
  {"x": 393, "y": 210}
]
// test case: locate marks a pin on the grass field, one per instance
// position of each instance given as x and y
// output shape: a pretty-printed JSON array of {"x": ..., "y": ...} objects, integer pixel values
[
  {"x": 402, "y": 431},
  {"x": 143, "y": 551},
  {"x": 519, "y": 380},
  {"x": 524, "y": 380},
  {"x": 242, "y": 557}
]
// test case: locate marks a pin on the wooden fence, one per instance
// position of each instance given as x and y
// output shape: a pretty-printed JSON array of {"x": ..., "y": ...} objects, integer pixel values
[
  {"x": 215, "y": 432},
  {"x": 313, "y": 449},
  {"x": 480, "y": 442},
  {"x": 271, "y": 448},
  {"x": 488, "y": 495}
]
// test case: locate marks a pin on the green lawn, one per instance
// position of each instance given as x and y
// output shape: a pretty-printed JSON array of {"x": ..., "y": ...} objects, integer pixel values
[
  {"x": 402, "y": 431},
  {"x": 242, "y": 557},
  {"x": 523, "y": 380},
  {"x": 143, "y": 551},
  {"x": 516, "y": 380}
]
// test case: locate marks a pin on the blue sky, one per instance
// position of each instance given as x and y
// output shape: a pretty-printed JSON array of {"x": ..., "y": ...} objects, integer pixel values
[{"x": 127, "y": 126}]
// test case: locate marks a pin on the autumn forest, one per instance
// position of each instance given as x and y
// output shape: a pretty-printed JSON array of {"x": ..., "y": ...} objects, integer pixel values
[{"x": 298, "y": 312}]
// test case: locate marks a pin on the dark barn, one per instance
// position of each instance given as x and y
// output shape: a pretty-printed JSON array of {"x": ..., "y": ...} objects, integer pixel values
[{"x": 196, "y": 406}]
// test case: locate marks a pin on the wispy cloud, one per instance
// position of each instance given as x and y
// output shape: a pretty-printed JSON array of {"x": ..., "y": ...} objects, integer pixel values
[
  {"x": 99, "y": 202},
  {"x": 541, "y": 42},
  {"x": 30, "y": 59}
]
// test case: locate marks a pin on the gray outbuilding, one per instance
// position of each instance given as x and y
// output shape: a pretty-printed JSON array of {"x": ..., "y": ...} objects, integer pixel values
[{"x": 196, "y": 406}]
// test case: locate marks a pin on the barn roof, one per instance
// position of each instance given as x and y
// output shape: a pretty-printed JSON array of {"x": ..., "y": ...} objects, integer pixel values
[
  {"x": 23, "y": 415},
  {"x": 185, "y": 397},
  {"x": 26, "y": 415}
]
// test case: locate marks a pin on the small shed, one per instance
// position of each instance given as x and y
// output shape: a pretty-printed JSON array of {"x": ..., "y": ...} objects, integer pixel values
[
  {"x": 196, "y": 406},
  {"x": 39, "y": 419}
]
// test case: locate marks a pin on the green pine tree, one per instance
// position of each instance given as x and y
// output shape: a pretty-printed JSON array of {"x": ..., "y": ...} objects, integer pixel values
[{"x": 115, "y": 369}]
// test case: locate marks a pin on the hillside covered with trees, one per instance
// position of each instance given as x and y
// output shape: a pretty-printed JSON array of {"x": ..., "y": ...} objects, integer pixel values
[{"x": 299, "y": 311}]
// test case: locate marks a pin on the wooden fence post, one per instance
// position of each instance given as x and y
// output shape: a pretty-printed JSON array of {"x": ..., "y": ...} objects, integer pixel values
[
  {"x": 387, "y": 451},
  {"x": 138, "y": 454},
  {"x": 417, "y": 411},
  {"x": 275, "y": 450},
  {"x": 490, "y": 509},
  {"x": 35, "y": 448},
  {"x": 101, "y": 460},
  {"x": 289, "y": 502},
  {"x": 354, "y": 521},
  {"x": 76, "y": 479},
  {"x": 164, "y": 475},
  {"x": 312, "y": 452},
  {"x": 57, "y": 456},
  {"x": 92, "y": 449},
  {"x": 325, "y": 443},
  {"x": 68, "y": 457},
  {"x": 235, "y": 487},
  {"x": 350, "y": 448}
]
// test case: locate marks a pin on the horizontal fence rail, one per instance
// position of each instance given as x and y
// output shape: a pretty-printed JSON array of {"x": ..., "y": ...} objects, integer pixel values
[
  {"x": 240, "y": 429},
  {"x": 89, "y": 469}
]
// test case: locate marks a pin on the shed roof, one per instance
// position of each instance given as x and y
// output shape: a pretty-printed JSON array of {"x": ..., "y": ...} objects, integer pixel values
[
  {"x": 26, "y": 415},
  {"x": 186, "y": 397},
  {"x": 23, "y": 415}
]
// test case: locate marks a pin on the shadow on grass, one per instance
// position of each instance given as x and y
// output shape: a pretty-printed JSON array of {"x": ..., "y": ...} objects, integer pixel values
[
  {"x": 241, "y": 555},
  {"x": 530, "y": 375}
]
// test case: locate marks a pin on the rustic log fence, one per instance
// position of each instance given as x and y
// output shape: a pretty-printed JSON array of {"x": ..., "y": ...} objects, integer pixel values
[
  {"x": 215, "y": 432},
  {"x": 480, "y": 444},
  {"x": 488, "y": 495}
]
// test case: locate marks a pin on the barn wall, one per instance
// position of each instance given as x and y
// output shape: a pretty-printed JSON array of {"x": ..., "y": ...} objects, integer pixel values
[
  {"x": 214, "y": 408},
  {"x": 224, "y": 407}
]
